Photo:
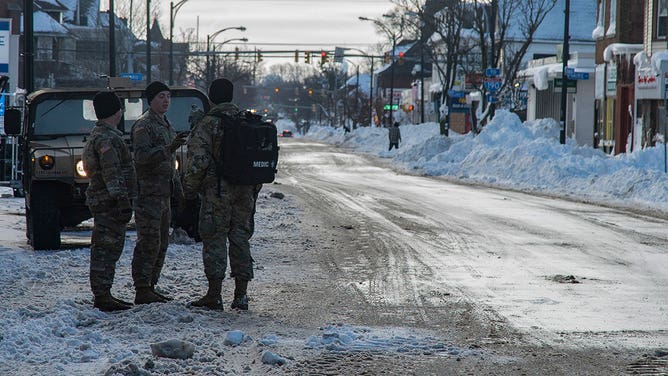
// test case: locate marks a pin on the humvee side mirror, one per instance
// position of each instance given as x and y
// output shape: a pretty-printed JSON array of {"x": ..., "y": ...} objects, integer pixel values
[{"x": 13, "y": 121}]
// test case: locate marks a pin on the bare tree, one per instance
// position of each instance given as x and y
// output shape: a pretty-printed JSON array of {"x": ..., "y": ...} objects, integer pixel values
[
  {"x": 135, "y": 13},
  {"x": 505, "y": 30}
]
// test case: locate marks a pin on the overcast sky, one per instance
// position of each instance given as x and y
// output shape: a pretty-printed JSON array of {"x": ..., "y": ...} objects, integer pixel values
[{"x": 286, "y": 24}]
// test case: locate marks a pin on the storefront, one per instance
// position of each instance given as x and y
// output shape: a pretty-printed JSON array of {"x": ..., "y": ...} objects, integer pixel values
[
  {"x": 651, "y": 87},
  {"x": 544, "y": 82}
]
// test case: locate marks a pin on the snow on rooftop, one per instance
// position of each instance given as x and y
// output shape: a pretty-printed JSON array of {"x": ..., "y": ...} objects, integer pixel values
[
  {"x": 581, "y": 23},
  {"x": 43, "y": 23}
]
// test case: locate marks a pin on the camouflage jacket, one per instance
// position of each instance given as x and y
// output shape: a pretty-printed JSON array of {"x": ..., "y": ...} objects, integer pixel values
[
  {"x": 205, "y": 140},
  {"x": 155, "y": 164},
  {"x": 108, "y": 163}
]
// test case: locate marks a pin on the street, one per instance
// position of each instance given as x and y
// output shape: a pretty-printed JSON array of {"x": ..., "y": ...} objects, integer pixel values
[{"x": 562, "y": 273}]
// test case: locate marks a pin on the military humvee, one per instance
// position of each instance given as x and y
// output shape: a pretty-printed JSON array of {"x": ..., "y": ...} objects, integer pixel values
[{"x": 52, "y": 127}]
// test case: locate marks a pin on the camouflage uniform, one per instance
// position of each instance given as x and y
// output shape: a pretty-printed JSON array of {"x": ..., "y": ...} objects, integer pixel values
[
  {"x": 157, "y": 180},
  {"x": 112, "y": 179},
  {"x": 225, "y": 214}
]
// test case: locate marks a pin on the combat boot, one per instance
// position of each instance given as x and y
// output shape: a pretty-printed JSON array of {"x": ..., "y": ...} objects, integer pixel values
[
  {"x": 108, "y": 303},
  {"x": 145, "y": 295},
  {"x": 240, "y": 298},
  {"x": 121, "y": 301},
  {"x": 212, "y": 299},
  {"x": 161, "y": 295}
]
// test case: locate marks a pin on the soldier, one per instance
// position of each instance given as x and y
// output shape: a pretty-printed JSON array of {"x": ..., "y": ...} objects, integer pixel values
[
  {"x": 226, "y": 213},
  {"x": 154, "y": 142},
  {"x": 112, "y": 180}
]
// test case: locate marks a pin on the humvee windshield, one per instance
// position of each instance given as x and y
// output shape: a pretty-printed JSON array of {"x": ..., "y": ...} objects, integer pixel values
[{"x": 74, "y": 116}]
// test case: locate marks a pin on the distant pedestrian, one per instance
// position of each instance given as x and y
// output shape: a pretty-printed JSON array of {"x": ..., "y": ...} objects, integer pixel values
[
  {"x": 154, "y": 142},
  {"x": 227, "y": 210},
  {"x": 395, "y": 136},
  {"x": 108, "y": 163}
]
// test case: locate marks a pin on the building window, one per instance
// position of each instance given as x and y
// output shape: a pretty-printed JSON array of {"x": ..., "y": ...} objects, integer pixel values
[
  {"x": 598, "y": 32},
  {"x": 612, "y": 23},
  {"x": 661, "y": 17}
]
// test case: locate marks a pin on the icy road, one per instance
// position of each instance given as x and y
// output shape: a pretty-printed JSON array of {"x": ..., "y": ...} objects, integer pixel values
[{"x": 542, "y": 263}]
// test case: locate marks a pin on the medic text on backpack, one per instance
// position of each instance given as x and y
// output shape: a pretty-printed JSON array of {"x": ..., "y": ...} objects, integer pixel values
[{"x": 249, "y": 150}]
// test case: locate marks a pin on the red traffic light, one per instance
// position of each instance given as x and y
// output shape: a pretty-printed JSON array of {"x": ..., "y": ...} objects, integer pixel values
[
  {"x": 401, "y": 55},
  {"x": 323, "y": 54}
]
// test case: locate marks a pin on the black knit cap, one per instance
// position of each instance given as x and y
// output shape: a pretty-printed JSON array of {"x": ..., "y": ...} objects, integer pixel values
[
  {"x": 221, "y": 90},
  {"x": 153, "y": 89},
  {"x": 106, "y": 104}
]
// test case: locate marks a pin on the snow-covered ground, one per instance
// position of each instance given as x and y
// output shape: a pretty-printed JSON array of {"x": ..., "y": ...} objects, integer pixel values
[
  {"x": 48, "y": 325},
  {"x": 525, "y": 156}
]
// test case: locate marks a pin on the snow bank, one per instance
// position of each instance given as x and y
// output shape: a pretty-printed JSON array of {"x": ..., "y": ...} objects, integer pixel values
[{"x": 525, "y": 156}]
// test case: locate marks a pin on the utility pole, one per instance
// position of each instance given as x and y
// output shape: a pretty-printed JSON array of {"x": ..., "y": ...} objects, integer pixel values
[
  {"x": 564, "y": 74},
  {"x": 28, "y": 46},
  {"x": 112, "y": 40},
  {"x": 148, "y": 41}
]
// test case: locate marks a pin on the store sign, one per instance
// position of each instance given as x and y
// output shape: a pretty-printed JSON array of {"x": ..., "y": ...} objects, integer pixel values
[
  {"x": 611, "y": 81},
  {"x": 5, "y": 34},
  {"x": 646, "y": 81}
]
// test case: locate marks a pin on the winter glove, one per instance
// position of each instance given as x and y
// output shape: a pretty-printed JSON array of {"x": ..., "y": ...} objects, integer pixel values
[
  {"x": 125, "y": 210},
  {"x": 179, "y": 140}
]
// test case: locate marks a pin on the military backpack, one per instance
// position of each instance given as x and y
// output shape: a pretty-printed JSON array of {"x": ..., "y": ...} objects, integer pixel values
[{"x": 249, "y": 149}]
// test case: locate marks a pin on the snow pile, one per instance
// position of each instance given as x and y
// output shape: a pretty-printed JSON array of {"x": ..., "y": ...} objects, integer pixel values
[{"x": 525, "y": 156}]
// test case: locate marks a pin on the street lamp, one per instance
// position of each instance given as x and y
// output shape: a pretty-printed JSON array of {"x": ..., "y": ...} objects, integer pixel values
[
  {"x": 173, "y": 9},
  {"x": 393, "y": 36},
  {"x": 209, "y": 38},
  {"x": 370, "y": 83},
  {"x": 214, "y": 53}
]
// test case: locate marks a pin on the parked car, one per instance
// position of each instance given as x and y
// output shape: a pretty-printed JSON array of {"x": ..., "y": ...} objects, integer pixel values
[{"x": 286, "y": 133}]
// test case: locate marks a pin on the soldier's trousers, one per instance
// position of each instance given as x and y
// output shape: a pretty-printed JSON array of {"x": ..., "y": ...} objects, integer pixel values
[
  {"x": 152, "y": 218},
  {"x": 227, "y": 218},
  {"x": 106, "y": 248}
]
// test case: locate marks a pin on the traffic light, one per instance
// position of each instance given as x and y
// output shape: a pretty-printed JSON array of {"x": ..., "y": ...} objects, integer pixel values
[
  {"x": 386, "y": 58},
  {"x": 307, "y": 57},
  {"x": 323, "y": 57},
  {"x": 401, "y": 57},
  {"x": 296, "y": 56},
  {"x": 236, "y": 53},
  {"x": 259, "y": 56},
  {"x": 310, "y": 91},
  {"x": 276, "y": 90}
]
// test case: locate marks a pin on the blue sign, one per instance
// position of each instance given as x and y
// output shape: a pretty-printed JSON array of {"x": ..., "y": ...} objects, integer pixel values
[
  {"x": 578, "y": 76},
  {"x": 456, "y": 94},
  {"x": 5, "y": 34},
  {"x": 491, "y": 98},
  {"x": 133, "y": 76},
  {"x": 493, "y": 84},
  {"x": 571, "y": 74},
  {"x": 492, "y": 72},
  {"x": 2, "y": 104}
]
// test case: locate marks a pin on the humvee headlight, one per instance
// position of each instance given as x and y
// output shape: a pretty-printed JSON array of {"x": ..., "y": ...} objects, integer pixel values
[
  {"x": 46, "y": 162},
  {"x": 81, "y": 171}
]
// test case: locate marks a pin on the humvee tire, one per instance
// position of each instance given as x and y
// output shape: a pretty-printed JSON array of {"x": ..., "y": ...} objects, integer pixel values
[{"x": 43, "y": 219}]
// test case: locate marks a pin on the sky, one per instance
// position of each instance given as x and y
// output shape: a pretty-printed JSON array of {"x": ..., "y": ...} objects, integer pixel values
[
  {"x": 48, "y": 325},
  {"x": 287, "y": 24}
]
